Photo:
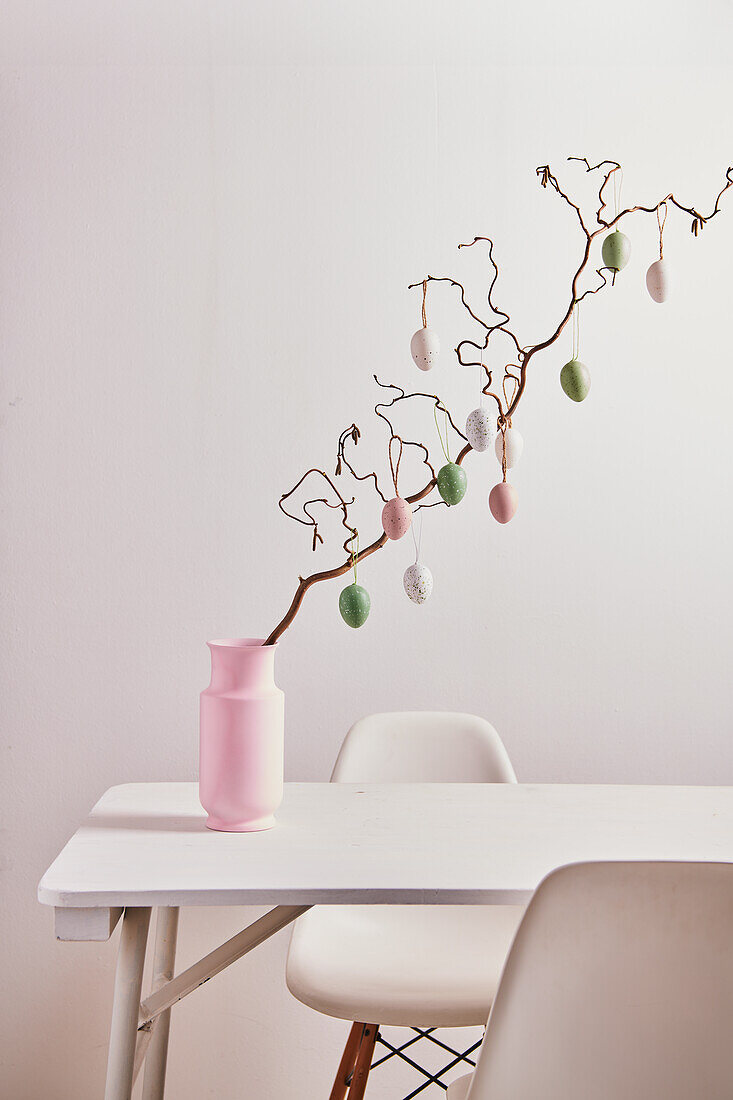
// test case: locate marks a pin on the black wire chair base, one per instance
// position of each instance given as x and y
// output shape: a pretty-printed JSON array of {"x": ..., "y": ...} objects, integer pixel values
[{"x": 430, "y": 1078}]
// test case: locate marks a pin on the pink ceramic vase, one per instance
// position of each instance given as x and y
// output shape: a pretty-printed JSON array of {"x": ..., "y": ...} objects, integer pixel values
[{"x": 241, "y": 741}]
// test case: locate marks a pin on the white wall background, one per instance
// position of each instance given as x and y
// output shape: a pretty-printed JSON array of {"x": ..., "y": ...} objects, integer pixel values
[{"x": 208, "y": 218}]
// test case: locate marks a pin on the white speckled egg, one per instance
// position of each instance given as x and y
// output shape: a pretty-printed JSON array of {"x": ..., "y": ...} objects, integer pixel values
[
  {"x": 514, "y": 446},
  {"x": 657, "y": 281},
  {"x": 418, "y": 582},
  {"x": 480, "y": 429},
  {"x": 425, "y": 348}
]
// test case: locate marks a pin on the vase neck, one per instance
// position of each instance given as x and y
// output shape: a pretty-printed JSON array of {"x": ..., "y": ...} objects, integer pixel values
[{"x": 241, "y": 663}]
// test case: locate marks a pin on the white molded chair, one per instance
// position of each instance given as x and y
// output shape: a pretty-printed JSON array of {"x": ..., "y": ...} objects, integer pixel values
[
  {"x": 618, "y": 986},
  {"x": 412, "y": 966}
]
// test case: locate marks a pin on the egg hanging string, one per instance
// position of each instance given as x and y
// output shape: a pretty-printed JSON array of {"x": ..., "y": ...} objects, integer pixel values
[
  {"x": 481, "y": 380},
  {"x": 618, "y": 182},
  {"x": 661, "y": 222},
  {"x": 354, "y": 555},
  {"x": 503, "y": 450},
  {"x": 417, "y": 541},
  {"x": 506, "y": 421},
  {"x": 576, "y": 330},
  {"x": 395, "y": 469},
  {"x": 507, "y": 398},
  {"x": 444, "y": 446},
  {"x": 424, "y": 296}
]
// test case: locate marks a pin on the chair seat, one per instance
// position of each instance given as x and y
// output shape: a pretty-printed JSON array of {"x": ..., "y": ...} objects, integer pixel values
[
  {"x": 459, "y": 1089},
  {"x": 404, "y": 965}
]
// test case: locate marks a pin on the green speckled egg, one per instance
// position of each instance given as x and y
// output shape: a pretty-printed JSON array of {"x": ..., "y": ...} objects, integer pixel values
[
  {"x": 452, "y": 482},
  {"x": 616, "y": 251},
  {"x": 354, "y": 605},
  {"x": 575, "y": 380}
]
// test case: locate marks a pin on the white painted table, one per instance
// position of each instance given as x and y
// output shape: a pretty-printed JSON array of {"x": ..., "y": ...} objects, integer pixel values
[{"x": 146, "y": 845}]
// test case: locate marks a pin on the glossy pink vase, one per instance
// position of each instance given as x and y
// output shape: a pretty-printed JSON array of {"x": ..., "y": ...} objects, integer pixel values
[{"x": 241, "y": 740}]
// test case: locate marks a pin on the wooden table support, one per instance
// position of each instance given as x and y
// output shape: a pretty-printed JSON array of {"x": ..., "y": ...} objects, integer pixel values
[
  {"x": 140, "y": 1029},
  {"x": 126, "y": 1004},
  {"x": 166, "y": 935}
]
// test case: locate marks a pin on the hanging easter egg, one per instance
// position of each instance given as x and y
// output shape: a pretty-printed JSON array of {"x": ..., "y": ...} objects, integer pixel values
[
  {"x": 503, "y": 501},
  {"x": 616, "y": 251},
  {"x": 575, "y": 380},
  {"x": 425, "y": 348},
  {"x": 657, "y": 281},
  {"x": 514, "y": 446},
  {"x": 418, "y": 582},
  {"x": 396, "y": 518},
  {"x": 452, "y": 482},
  {"x": 480, "y": 429},
  {"x": 354, "y": 605}
]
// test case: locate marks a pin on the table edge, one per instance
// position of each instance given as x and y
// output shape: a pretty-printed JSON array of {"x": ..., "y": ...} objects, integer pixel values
[{"x": 337, "y": 896}]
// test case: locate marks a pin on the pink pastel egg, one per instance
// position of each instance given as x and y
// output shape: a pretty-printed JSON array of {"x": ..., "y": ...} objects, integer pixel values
[
  {"x": 396, "y": 518},
  {"x": 657, "y": 281},
  {"x": 503, "y": 501}
]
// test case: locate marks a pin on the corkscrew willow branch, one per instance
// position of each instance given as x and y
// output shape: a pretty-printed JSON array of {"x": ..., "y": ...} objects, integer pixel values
[{"x": 517, "y": 372}]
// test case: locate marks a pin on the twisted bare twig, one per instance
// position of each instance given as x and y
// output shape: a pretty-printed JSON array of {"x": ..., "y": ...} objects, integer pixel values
[
  {"x": 615, "y": 167},
  {"x": 310, "y": 520},
  {"x": 354, "y": 435}
]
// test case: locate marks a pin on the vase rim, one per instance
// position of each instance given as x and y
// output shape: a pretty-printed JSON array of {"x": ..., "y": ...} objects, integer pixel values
[{"x": 241, "y": 643}]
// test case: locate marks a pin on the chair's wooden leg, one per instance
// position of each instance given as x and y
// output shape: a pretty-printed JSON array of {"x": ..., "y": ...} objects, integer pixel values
[
  {"x": 347, "y": 1063},
  {"x": 363, "y": 1062}
]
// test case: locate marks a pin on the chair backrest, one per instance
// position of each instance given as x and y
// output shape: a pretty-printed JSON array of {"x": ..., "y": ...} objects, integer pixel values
[
  {"x": 618, "y": 986},
  {"x": 422, "y": 747}
]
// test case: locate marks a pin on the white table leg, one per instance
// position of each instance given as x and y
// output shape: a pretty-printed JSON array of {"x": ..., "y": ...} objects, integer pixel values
[
  {"x": 126, "y": 1004},
  {"x": 166, "y": 935}
]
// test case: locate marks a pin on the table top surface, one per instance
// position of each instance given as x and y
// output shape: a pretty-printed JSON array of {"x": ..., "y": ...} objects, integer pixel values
[{"x": 435, "y": 843}]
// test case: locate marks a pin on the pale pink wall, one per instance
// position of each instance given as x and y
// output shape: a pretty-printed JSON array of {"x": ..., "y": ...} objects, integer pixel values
[{"x": 202, "y": 263}]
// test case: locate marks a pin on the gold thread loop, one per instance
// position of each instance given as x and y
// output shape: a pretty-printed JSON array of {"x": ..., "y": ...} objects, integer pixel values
[
  {"x": 354, "y": 554},
  {"x": 661, "y": 222},
  {"x": 507, "y": 398},
  {"x": 395, "y": 469},
  {"x": 618, "y": 182}
]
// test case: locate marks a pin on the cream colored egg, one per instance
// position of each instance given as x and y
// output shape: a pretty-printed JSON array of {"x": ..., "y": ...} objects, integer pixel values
[
  {"x": 425, "y": 348},
  {"x": 480, "y": 429},
  {"x": 657, "y": 281},
  {"x": 514, "y": 446},
  {"x": 418, "y": 582}
]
